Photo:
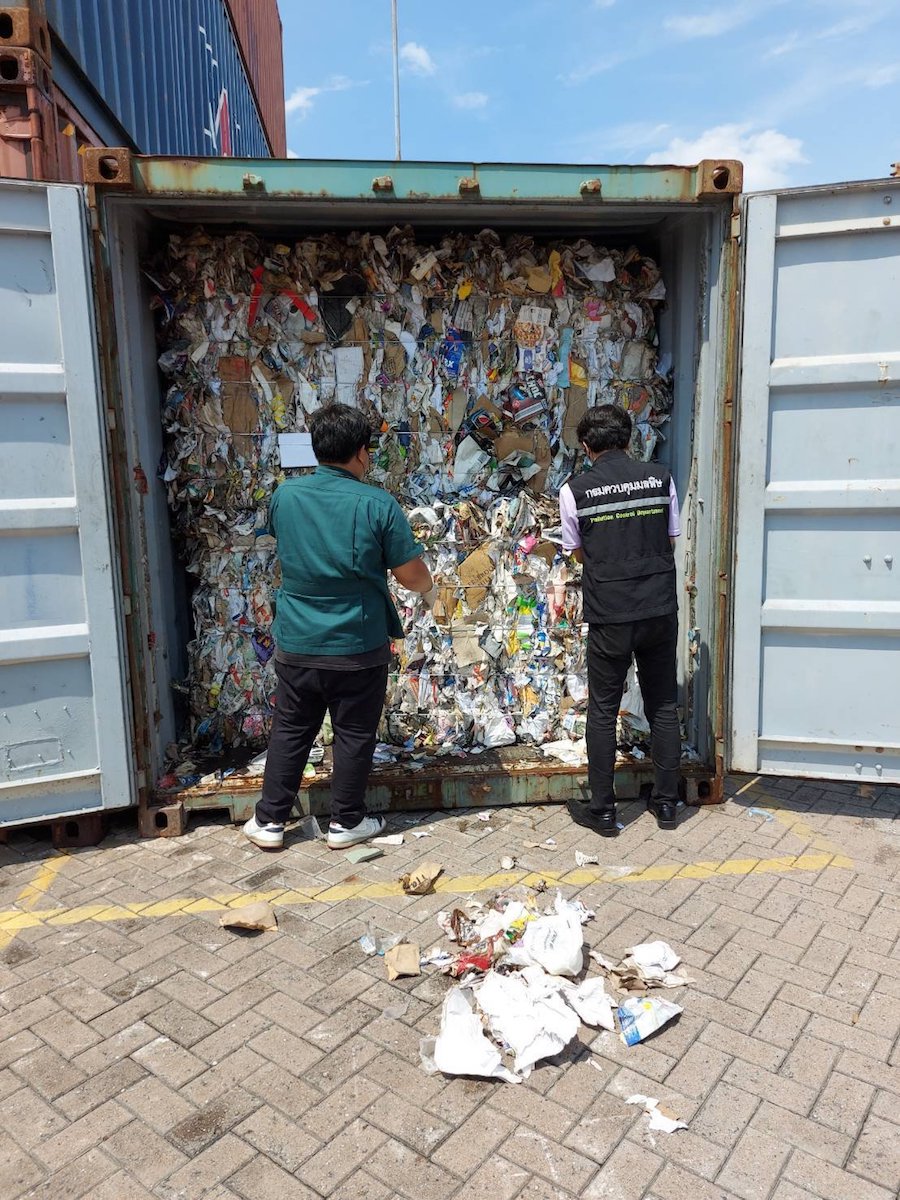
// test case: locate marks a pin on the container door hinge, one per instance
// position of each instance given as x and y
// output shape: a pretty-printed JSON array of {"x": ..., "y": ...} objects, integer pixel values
[
  {"x": 736, "y": 226},
  {"x": 126, "y": 605},
  {"x": 110, "y": 418},
  {"x": 723, "y": 584},
  {"x": 141, "y": 779}
]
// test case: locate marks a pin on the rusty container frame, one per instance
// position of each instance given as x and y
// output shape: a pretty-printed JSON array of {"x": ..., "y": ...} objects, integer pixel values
[{"x": 192, "y": 190}]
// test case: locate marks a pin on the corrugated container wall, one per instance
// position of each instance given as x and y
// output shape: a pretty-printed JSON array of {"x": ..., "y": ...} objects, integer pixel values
[
  {"x": 170, "y": 71},
  {"x": 258, "y": 27}
]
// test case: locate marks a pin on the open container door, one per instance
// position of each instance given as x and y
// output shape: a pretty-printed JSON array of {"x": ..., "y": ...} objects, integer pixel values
[
  {"x": 65, "y": 744},
  {"x": 816, "y": 649}
]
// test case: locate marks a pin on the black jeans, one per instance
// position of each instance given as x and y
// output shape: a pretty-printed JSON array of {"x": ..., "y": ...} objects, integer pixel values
[
  {"x": 303, "y": 696},
  {"x": 652, "y": 641}
]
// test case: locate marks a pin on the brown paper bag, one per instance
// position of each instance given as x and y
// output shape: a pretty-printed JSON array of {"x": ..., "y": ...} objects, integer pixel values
[
  {"x": 421, "y": 881},
  {"x": 402, "y": 960},
  {"x": 260, "y": 915}
]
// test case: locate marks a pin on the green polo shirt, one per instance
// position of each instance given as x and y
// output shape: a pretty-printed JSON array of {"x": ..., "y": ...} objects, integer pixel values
[{"x": 337, "y": 539}]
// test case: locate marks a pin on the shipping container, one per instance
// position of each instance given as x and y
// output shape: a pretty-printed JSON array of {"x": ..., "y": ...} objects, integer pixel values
[
  {"x": 788, "y": 647},
  {"x": 258, "y": 27},
  {"x": 185, "y": 77}
]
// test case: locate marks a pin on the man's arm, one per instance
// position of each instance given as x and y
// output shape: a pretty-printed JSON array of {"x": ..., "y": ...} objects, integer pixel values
[
  {"x": 414, "y": 576},
  {"x": 568, "y": 516},
  {"x": 403, "y": 554},
  {"x": 674, "y": 515}
]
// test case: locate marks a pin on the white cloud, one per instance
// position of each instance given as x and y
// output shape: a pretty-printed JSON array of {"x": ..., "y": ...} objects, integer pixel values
[
  {"x": 603, "y": 3},
  {"x": 471, "y": 100},
  {"x": 301, "y": 99},
  {"x": 708, "y": 25},
  {"x": 767, "y": 154},
  {"x": 597, "y": 66},
  {"x": 881, "y": 76},
  {"x": 417, "y": 59},
  {"x": 786, "y": 46},
  {"x": 291, "y": 153}
]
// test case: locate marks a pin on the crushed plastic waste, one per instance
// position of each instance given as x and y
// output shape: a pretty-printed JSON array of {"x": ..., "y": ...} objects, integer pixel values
[
  {"x": 640, "y": 1018},
  {"x": 474, "y": 357},
  {"x": 372, "y": 942},
  {"x": 310, "y": 827},
  {"x": 761, "y": 812}
]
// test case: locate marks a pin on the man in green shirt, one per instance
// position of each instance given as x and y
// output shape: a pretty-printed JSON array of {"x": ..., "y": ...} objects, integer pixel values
[{"x": 337, "y": 539}]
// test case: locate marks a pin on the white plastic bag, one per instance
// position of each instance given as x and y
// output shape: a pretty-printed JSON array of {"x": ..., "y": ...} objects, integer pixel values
[
  {"x": 555, "y": 943},
  {"x": 461, "y": 1047},
  {"x": 532, "y": 1023}
]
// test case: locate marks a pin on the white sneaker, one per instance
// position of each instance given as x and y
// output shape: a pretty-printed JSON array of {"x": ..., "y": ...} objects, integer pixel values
[
  {"x": 267, "y": 837},
  {"x": 339, "y": 837}
]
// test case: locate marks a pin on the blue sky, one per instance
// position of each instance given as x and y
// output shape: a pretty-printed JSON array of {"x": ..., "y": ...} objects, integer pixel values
[{"x": 803, "y": 91}]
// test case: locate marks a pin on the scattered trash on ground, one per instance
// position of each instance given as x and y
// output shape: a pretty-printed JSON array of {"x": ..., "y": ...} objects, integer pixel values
[
  {"x": 402, "y": 960},
  {"x": 521, "y": 989},
  {"x": 421, "y": 881},
  {"x": 761, "y": 812},
  {"x": 507, "y": 863},
  {"x": 371, "y": 943},
  {"x": 644, "y": 967},
  {"x": 310, "y": 827},
  {"x": 639, "y": 1017},
  {"x": 258, "y": 915},
  {"x": 389, "y": 839},
  {"x": 547, "y": 844},
  {"x": 361, "y": 854},
  {"x": 661, "y": 1121},
  {"x": 586, "y": 860}
]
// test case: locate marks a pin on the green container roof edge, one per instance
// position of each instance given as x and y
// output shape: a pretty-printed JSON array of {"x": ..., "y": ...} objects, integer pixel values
[{"x": 345, "y": 179}]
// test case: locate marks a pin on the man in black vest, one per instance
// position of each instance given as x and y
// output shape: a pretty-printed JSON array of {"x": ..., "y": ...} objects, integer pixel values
[{"x": 620, "y": 519}]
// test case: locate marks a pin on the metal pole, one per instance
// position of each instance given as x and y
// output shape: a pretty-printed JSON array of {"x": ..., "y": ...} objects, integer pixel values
[{"x": 394, "y": 36}]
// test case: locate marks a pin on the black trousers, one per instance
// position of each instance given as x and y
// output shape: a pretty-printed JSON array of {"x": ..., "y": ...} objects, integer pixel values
[
  {"x": 653, "y": 642},
  {"x": 355, "y": 700}
]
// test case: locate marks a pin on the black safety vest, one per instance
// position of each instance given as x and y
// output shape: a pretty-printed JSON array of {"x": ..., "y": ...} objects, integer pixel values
[{"x": 623, "y": 516}]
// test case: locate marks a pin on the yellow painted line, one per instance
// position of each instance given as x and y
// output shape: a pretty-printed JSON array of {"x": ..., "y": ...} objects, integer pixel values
[
  {"x": 795, "y": 823},
  {"x": 33, "y": 892},
  {"x": 13, "y": 920}
]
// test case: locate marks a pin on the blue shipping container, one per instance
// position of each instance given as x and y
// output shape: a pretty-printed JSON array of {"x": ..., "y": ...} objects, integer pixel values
[{"x": 169, "y": 72}]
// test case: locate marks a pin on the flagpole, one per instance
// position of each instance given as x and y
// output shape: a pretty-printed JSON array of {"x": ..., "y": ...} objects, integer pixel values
[{"x": 396, "y": 50}]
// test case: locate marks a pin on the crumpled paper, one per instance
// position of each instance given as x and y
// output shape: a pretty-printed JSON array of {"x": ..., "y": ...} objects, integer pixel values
[{"x": 474, "y": 356}]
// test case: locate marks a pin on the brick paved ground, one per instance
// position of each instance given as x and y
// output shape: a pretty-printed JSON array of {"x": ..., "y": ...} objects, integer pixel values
[{"x": 165, "y": 1057}]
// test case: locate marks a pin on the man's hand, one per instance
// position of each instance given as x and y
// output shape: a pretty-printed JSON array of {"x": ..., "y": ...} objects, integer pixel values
[{"x": 430, "y": 597}]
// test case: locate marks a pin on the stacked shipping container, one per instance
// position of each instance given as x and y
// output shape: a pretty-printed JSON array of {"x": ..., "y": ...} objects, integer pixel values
[{"x": 172, "y": 77}]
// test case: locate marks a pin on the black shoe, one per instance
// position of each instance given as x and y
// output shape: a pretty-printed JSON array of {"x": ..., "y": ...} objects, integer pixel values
[
  {"x": 603, "y": 822},
  {"x": 664, "y": 811}
]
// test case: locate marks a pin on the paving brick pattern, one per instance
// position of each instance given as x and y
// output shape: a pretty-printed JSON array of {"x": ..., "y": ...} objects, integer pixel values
[{"x": 168, "y": 1058}]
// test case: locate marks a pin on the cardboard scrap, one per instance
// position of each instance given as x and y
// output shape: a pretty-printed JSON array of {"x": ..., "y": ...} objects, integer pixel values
[
  {"x": 402, "y": 960},
  {"x": 421, "y": 881},
  {"x": 475, "y": 573},
  {"x": 259, "y": 915}
]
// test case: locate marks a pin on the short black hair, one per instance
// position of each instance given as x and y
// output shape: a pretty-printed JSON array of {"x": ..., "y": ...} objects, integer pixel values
[
  {"x": 338, "y": 433},
  {"x": 606, "y": 427}
]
